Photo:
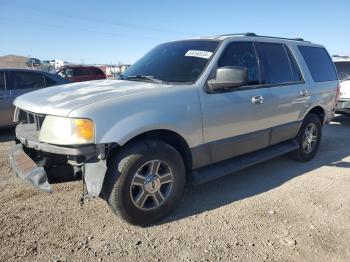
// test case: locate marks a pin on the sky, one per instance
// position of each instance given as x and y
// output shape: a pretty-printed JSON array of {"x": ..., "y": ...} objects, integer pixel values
[{"x": 111, "y": 32}]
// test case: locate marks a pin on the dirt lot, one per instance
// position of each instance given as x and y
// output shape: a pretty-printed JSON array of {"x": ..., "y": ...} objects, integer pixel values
[{"x": 280, "y": 210}]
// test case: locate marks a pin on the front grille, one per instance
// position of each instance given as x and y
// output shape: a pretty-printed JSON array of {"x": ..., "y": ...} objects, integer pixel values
[{"x": 26, "y": 117}]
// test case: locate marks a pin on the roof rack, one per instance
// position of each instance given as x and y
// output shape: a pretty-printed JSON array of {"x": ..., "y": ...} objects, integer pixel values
[
  {"x": 238, "y": 34},
  {"x": 342, "y": 56},
  {"x": 255, "y": 35}
]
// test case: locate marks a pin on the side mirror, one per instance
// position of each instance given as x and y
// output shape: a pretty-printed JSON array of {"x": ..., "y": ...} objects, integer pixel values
[{"x": 229, "y": 77}]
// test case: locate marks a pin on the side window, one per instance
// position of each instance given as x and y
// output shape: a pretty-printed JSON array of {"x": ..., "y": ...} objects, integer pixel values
[
  {"x": 65, "y": 72},
  {"x": 277, "y": 65},
  {"x": 49, "y": 81},
  {"x": 2, "y": 81},
  {"x": 96, "y": 71},
  {"x": 25, "y": 80},
  {"x": 295, "y": 68},
  {"x": 319, "y": 63},
  {"x": 242, "y": 54},
  {"x": 81, "y": 71}
]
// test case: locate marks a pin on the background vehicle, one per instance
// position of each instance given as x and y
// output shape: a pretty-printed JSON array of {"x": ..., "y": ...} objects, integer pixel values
[
  {"x": 342, "y": 63},
  {"x": 33, "y": 62},
  {"x": 191, "y": 110},
  {"x": 81, "y": 73},
  {"x": 15, "y": 82}
]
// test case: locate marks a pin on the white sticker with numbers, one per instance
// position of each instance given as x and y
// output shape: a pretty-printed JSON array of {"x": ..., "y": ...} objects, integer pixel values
[{"x": 198, "y": 53}]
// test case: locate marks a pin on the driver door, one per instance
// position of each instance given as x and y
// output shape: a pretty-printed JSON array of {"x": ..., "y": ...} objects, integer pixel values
[{"x": 237, "y": 121}]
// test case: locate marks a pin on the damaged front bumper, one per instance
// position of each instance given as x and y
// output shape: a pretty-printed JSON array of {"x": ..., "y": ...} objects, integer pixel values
[
  {"x": 25, "y": 168},
  {"x": 90, "y": 159}
]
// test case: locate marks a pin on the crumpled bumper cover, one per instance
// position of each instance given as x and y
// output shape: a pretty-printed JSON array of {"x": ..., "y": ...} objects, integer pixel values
[{"x": 26, "y": 169}]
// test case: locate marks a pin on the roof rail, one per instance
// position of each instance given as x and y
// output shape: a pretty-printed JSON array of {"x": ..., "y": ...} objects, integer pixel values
[
  {"x": 283, "y": 38},
  {"x": 342, "y": 56},
  {"x": 238, "y": 34},
  {"x": 255, "y": 35}
]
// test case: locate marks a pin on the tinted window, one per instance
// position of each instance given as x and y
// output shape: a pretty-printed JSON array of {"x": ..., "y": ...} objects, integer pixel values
[
  {"x": 2, "y": 81},
  {"x": 343, "y": 69},
  {"x": 81, "y": 71},
  {"x": 49, "y": 81},
  {"x": 277, "y": 65},
  {"x": 295, "y": 68},
  {"x": 180, "y": 61},
  {"x": 24, "y": 80},
  {"x": 242, "y": 54},
  {"x": 319, "y": 63},
  {"x": 96, "y": 71}
]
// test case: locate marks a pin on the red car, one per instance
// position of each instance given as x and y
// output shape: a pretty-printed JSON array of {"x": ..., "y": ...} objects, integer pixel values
[{"x": 81, "y": 73}]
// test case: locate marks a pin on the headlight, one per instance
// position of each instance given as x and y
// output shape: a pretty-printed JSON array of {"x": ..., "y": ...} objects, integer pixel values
[{"x": 67, "y": 131}]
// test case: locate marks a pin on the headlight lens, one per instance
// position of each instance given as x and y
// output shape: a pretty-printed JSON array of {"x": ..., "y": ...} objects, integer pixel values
[{"x": 67, "y": 131}]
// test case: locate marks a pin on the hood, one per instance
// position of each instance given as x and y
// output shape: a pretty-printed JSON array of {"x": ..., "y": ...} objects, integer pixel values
[
  {"x": 63, "y": 99},
  {"x": 345, "y": 89}
]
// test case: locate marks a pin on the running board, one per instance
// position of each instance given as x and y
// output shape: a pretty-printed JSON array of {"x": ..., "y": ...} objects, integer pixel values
[{"x": 227, "y": 167}]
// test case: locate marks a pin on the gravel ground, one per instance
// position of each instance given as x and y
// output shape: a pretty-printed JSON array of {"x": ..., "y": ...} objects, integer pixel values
[{"x": 280, "y": 210}]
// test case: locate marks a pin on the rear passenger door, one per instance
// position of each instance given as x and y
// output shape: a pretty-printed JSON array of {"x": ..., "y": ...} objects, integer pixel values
[
  {"x": 6, "y": 115},
  {"x": 290, "y": 93}
]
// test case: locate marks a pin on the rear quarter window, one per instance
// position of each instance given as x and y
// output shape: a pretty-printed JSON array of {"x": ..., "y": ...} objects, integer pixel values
[
  {"x": 319, "y": 63},
  {"x": 96, "y": 71}
]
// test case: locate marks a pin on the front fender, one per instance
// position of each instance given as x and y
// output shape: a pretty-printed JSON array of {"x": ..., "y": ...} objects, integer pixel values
[
  {"x": 126, "y": 129},
  {"x": 175, "y": 109}
]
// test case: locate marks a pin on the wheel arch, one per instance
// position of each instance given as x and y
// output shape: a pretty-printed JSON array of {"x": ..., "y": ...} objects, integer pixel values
[
  {"x": 319, "y": 111},
  {"x": 167, "y": 136}
]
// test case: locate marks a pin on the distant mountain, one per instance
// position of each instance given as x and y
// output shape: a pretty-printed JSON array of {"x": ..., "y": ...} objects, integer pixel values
[{"x": 13, "y": 61}]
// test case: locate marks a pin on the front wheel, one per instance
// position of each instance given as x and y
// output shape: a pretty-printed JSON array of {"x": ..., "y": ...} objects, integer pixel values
[
  {"x": 150, "y": 178},
  {"x": 308, "y": 139}
]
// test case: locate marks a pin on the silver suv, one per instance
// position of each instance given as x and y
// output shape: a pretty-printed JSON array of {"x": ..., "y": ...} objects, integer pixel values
[{"x": 187, "y": 112}]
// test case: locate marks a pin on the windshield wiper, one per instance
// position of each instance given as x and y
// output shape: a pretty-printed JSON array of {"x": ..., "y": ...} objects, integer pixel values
[{"x": 151, "y": 78}]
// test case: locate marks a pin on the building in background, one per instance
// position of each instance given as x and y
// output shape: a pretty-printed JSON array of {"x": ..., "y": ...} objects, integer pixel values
[{"x": 57, "y": 64}]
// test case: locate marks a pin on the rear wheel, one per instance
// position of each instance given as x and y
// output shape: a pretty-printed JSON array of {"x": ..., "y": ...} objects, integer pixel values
[
  {"x": 150, "y": 178},
  {"x": 308, "y": 139}
]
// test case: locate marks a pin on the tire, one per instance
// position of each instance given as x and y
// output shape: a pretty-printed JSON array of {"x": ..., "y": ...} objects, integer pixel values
[
  {"x": 308, "y": 146},
  {"x": 146, "y": 197}
]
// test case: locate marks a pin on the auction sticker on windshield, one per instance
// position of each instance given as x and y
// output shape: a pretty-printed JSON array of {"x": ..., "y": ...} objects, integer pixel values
[{"x": 199, "y": 53}]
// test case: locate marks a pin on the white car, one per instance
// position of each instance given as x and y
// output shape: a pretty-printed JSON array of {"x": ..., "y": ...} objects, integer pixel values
[{"x": 342, "y": 64}]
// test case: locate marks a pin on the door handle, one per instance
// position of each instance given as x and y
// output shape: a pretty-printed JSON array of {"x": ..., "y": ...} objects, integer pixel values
[
  {"x": 304, "y": 92},
  {"x": 257, "y": 99}
]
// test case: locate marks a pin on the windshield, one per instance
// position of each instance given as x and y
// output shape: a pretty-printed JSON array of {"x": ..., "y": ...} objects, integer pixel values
[
  {"x": 179, "y": 62},
  {"x": 343, "y": 69}
]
